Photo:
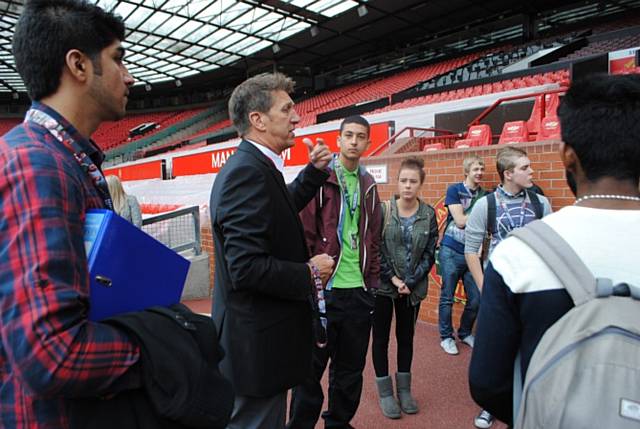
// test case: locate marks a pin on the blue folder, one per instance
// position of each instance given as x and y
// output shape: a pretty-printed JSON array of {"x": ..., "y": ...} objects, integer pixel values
[{"x": 129, "y": 269}]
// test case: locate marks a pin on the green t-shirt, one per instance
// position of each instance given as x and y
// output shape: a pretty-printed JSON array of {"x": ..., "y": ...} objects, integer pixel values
[{"x": 348, "y": 274}]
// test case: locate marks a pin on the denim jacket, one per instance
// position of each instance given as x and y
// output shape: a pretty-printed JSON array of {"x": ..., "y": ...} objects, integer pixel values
[{"x": 393, "y": 254}]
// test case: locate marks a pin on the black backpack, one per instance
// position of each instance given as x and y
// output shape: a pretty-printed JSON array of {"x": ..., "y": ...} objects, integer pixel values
[{"x": 491, "y": 217}]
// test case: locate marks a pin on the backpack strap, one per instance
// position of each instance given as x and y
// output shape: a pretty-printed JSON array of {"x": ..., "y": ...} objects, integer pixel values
[
  {"x": 560, "y": 258},
  {"x": 535, "y": 202},
  {"x": 491, "y": 223},
  {"x": 491, "y": 212},
  {"x": 386, "y": 215}
]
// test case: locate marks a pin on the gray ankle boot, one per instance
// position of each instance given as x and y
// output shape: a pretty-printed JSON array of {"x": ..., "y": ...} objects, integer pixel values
[
  {"x": 403, "y": 386},
  {"x": 388, "y": 403}
]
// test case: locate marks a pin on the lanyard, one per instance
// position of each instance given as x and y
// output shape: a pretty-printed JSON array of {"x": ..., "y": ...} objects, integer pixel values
[
  {"x": 320, "y": 324},
  {"x": 352, "y": 202},
  {"x": 505, "y": 209},
  {"x": 58, "y": 131}
]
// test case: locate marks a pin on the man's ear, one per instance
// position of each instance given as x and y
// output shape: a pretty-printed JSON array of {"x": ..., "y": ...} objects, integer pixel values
[
  {"x": 507, "y": 174},
  {"x": 78, "y": 65},
  {"x": 568, "y": 157},
  {"x": 256, "y": 119}
]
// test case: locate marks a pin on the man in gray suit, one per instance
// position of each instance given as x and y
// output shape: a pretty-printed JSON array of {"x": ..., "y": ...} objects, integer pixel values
[{"x": 264, "y": 277}]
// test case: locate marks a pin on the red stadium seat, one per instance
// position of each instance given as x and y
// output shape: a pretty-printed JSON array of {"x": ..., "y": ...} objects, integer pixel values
[
  {"x": 533, "y": 124},
  {"x": 550, "y": 129},
  {"x": 514, "y": 132},
  {"x": 551, "y": 103},
  {"x": 481, "y": 133},
  {"x": 434, "y": 146},
  {"x": 460, "y": 144}
]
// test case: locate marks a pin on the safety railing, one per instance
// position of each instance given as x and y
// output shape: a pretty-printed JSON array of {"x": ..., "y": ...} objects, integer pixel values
[
  {"x": 499, "y": 101},
  {"x": 179, "y": 230},
  {"x": 408, "y": 132}
]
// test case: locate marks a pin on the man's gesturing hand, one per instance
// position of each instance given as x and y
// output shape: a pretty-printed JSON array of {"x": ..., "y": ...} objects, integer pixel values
[{"x": 319, "y": 155}]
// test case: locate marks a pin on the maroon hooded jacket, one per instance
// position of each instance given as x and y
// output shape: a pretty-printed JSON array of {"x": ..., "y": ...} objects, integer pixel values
[{"x": 324, "y": 213}]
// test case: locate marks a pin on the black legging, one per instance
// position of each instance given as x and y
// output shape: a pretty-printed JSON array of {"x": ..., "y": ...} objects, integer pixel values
[{"x": 406, "y": 316}]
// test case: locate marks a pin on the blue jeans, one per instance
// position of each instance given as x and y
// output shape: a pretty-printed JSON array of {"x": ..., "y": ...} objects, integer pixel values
[{"x": 453, "y": 267}]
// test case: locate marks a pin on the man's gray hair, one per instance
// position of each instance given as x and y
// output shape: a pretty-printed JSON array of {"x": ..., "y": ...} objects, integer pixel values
[{"x": 254, "y": 95}]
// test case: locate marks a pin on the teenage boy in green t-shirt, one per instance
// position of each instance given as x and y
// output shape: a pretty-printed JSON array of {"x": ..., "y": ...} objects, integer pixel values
[{"x": 344, "y": 220}]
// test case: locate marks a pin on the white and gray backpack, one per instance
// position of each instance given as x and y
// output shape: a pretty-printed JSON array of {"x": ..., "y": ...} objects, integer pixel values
[{"x": 585, "y": 372}]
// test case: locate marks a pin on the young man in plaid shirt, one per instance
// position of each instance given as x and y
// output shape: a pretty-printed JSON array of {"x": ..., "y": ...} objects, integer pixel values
[{"x": 69, "y": 55}]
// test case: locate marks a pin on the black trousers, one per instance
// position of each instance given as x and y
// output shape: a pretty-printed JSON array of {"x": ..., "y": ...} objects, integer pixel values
[
  {"x": 406, "y": 316},
  {"x": 349, "y": 314}
]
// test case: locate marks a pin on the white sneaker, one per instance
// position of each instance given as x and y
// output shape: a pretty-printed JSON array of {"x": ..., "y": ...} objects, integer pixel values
[
  {"x": 449, "y": 346},
  {"x": 484, "y": 420},
  {"x": 469, "y": 340}
]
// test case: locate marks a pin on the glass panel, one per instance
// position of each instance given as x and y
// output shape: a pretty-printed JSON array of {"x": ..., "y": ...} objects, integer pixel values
[
  {"x": 299, "y": 3},
  {"x": 339, "y": 8},
  {"x": 167, "y": 68},
  {"x": 150, "y": 40},
  {"x": 230, "y": 59},
  {"x": 138, "y": 17},
  {"x": 256, "y": 47},
  {"x": 201, "y": 33},
  {"x": 190, "y": 52},
  {"x": 171, "y": 26},
  {"x": 228, "y": 14},
  {"x": 233, "y": 38},
  {"x": 187, "y": 28}
]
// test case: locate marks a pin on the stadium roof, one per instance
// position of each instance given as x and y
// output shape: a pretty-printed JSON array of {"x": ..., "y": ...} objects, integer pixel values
[
  {"x": 174, "y": 39},
  {"x": 203, "y": 43}
]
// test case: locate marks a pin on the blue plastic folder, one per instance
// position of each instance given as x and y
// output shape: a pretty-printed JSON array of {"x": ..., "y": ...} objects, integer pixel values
[{"x": 129, "y": 269}]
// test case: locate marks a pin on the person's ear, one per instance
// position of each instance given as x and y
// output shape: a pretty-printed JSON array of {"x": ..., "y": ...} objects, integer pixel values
[
  {"x": 568, "y": 157},
  {"x": 78, "y": 65},
  {"x": 257, "y": 121},
  {"x": 508, "y": 174}
]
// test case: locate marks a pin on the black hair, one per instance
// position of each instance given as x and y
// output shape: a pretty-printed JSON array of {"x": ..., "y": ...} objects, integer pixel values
[
  {"x": 48, "y": 29},
  {"x": 355, "y": 119},
  {"x": 600, "y": 120}
]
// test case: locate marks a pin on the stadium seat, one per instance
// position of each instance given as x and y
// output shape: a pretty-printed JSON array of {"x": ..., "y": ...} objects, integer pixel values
[
  {"x": 533, "y": 124},
  {"x": 481, "y": 133},
  {"x": 434, "y": 146},
  {"x": 550, "y": 107},
  {"x": 552, "y": 101},
  {"x": 514, "y": 132},
  {"x": 550, "y": 129},
  {"x": 461, "y": 144}
]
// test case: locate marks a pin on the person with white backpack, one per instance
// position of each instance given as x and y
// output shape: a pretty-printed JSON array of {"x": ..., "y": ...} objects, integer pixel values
[{"x": 558, "y": 332}]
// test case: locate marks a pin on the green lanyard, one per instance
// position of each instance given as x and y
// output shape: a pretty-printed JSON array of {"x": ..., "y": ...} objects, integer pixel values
[{"x": 353, "y": 201}]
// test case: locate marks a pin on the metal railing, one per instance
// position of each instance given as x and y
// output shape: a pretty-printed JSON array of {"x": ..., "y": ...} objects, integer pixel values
[
  {"x": 412, "y": 131},
  {"x": 499, "y": 101},
  {"x": 179, "y": 230}
]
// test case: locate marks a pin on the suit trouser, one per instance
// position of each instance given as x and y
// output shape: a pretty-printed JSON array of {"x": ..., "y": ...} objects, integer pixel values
[
  {"x": 349, "y": 315},
  {"x": 258, "y": 413}
]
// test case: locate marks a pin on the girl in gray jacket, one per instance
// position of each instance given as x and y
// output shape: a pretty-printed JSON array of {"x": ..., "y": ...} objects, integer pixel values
[{"x": 409, "y": 238}]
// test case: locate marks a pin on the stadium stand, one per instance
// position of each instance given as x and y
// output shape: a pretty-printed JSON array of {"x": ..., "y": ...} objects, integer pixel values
[
  {"x": 603, "y": 46},
  {"x": 113, "y": 134},
  {"x": 7, "y": 123}
]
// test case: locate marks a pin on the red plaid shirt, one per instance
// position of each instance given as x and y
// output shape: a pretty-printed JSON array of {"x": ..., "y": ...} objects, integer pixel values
[{"x": 49, "y": 352}]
